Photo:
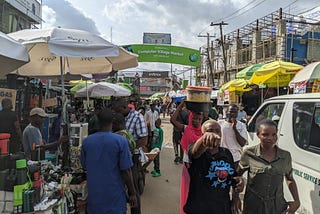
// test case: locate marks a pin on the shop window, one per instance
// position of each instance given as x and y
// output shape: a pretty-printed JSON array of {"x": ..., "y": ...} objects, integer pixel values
[
  {"x": 306, "y": 126},
  {"x": 271, "y": 111},
  {"x": 13, "y": 23}
]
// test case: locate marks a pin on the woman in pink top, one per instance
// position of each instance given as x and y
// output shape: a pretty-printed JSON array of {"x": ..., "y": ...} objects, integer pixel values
[{"x": 191, "y": 133}]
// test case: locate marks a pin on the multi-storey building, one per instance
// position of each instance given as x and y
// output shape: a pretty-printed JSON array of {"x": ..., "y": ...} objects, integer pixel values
[
  {"x": 278, "y": 35},
  {"x": 151, "y": 82},
  {"x": 19, "y": 14}
]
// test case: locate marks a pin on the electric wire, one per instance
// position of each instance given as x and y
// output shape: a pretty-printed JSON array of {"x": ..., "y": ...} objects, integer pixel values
[
  {"x": 228, "y": 15},
  {"x": 258, "y": 4}
]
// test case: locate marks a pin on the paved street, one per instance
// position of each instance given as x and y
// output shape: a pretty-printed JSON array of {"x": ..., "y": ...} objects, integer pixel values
[{"x": 161, "y": 194}]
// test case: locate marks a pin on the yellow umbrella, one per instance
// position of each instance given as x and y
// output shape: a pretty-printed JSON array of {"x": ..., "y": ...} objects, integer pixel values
[
  {"x": 76, "y": 82},
  {"x": 275, "y": 74},
  {"x": 236, "y": 85}
]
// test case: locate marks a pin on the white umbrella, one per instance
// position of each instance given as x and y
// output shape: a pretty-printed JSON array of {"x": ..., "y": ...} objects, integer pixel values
[
  {"x": 102, "y": 89},
  {"x": 59, "y": 51},
  {"x": 309, "y": 73},
  {"x": 12, "y": 54}
]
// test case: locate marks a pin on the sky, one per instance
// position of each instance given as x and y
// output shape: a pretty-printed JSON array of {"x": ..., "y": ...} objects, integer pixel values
[{"x": 123, "y": 22}]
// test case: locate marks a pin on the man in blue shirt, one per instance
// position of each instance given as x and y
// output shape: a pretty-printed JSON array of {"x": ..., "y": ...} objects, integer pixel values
[
  {"x": 136, "y": 124},
  {"x": 107, "y": 159}
]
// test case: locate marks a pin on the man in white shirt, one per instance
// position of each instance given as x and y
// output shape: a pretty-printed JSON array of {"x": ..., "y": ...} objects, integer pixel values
[
  {"x": 242, "y": 115},
  {"x": 151, "y": 117},
  {"x": 234, "y": 133}
]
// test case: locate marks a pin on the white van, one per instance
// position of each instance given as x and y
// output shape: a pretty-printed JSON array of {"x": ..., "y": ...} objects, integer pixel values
[{"x": 298, "y": 118}]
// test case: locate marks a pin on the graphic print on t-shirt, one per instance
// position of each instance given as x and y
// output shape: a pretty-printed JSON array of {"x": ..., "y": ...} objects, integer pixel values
[{"x": 219, "y": 172}]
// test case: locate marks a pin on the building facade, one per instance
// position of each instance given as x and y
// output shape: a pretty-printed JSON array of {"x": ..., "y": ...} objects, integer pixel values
[
  {"x": 277, "y": 36},
  {"x": 151, "y": 82},
  {"x": 19, "y": 14}
]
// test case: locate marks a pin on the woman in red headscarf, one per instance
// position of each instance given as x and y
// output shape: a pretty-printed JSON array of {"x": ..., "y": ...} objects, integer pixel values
[{"x": 191, "y": 133}]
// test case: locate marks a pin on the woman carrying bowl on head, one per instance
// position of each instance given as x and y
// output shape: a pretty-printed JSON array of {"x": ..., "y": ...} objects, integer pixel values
[{"x": 191, "y": 133}]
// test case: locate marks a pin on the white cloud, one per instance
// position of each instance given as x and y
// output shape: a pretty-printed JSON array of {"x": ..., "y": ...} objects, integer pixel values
[
  {"x": 184, "y": 19},
  {"x": 49, "y": 15}
]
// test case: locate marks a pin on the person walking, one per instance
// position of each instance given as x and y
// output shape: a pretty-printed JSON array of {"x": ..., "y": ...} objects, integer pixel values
[
  {"x": 267, "y": 166},
  {"x": 9, "y": 123},
  {"x": 157, "y": 141},
  {"x": 234, "y": 133},
  {"x": 136, "y": 125},
  {"x": 119, "y": 127},
  {"x": 192, "y": 132},
  {"x": 151, "y": 116},
  {"x": 212, "y": 174},
  {"x": 164, "y": 109},
  {"x": 106, "y": 158},
  {"x": 242, "y": 114},
  {"x": 182, "y": 118}
]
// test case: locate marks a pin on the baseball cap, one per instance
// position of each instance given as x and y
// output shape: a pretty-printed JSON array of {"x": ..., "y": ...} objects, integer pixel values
[{"x": 38, "y": 111}]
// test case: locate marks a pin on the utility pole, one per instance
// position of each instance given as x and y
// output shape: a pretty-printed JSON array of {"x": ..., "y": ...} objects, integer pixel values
[
  {"x": 225, "y": 79},
  {"x": 209, "y": 57}
]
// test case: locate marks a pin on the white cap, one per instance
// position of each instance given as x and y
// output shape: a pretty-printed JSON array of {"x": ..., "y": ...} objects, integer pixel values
[{"x": 38, "y": 111}]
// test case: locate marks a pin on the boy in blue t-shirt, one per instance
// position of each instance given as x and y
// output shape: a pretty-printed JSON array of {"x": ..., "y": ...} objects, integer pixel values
[{"x": 157, "y": 143}]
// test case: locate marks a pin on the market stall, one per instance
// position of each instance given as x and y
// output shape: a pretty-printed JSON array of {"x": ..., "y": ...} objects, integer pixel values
[{"x": 49, "y": 182}]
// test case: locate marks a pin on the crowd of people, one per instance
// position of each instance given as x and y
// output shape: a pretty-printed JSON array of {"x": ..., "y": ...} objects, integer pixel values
[{"x": 209, "y": 145}]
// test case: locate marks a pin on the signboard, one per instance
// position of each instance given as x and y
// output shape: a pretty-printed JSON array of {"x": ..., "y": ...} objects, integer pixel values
[
  {"x": 157, "y": 38},
  {"x": 10, "y": 94},
  {"x": 300, "y": 88},
  {"x": 166, "y": 54},
  {"x": 159, "y": 74},
  {"x": 226, "y": 95},
  {"x": 49, "y": 102}
]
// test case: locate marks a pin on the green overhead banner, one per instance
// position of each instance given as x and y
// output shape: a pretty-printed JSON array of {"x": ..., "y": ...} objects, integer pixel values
[{"x": 166, "y": 54}]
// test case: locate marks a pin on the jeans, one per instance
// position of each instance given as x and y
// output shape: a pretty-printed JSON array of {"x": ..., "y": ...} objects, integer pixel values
[
  {"x": 176, "y": 144},
  {"x": 135, "y": 175},
  {"x": 156, "y": 163}
]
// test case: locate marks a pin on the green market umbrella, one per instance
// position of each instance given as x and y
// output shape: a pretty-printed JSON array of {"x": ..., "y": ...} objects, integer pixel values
[
  {"x": 126, "y": 85},
  {"x": 156, "y": 96},
  {"x": 79, "y": 86},
  {"x": 247, "y": 72}
]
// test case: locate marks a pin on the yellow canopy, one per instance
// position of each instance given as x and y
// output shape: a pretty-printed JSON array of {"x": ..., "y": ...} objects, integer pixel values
[
  {"x": 236, "y": 85},
  {"x": 76, "y": 82},
  {"x": 275, "y": 74}
]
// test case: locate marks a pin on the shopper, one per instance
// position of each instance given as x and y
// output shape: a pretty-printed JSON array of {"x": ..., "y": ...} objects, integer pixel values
[
  {"x": 119, "y": 127},
  {"x": 192, "y": 132},
  {"x": 107, "y": 160},
  {"x": 212, "y": 173},
  {"x": 234, "y": 133},
  {"x": 157, "y": 141},
  {"x": 242, "y": 114},
  {"x": 267, "y": 166},
  {"x": 136, "y": 125},
  {"x": 183, "y": 118},
  {"x": 151, "y": 116},
  {"x": 9, "y": 123}
]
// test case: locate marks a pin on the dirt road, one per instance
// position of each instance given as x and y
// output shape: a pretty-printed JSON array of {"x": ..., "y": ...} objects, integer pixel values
[{"x": 161, "y": 194}]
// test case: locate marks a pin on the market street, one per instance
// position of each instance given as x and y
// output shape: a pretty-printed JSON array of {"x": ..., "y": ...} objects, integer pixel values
[{"x": 161, "y": 194}]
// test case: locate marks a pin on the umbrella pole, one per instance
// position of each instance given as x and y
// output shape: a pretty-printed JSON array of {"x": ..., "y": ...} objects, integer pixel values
[
  {"x": 62, "y": 78},
  {"x": 87, "y": 93},
  {"x": 63, "y": 101},
  {"x": 277, "y": 83},
  {"x": 261, "y": 95}
]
